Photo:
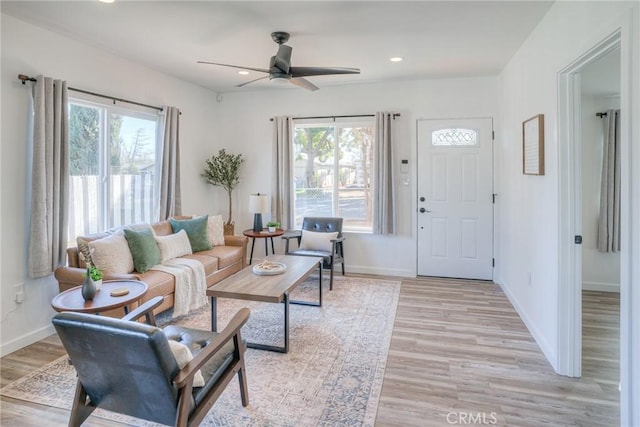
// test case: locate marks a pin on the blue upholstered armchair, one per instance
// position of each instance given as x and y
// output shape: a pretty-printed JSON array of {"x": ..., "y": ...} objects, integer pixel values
[
  {"x": 133, "y": 368},
  {"x": 319, "y": 237}
]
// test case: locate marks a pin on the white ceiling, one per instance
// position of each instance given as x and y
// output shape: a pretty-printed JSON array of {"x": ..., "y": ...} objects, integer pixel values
[{"x": 437, "y": 39}]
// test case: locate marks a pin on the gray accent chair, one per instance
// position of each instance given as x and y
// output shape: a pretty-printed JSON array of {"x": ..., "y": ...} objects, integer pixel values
[
  {"x": 128, "y": 367},
  {"x": 320, "y": 225}
]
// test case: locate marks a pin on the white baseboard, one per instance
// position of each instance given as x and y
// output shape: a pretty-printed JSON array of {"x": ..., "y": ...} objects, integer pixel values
[
  {"x": 26, "y": 340},
  {"x": 535, "y": 333},
  {"x": 376, "y": 271},
  {"x": 602, "y": 287}
]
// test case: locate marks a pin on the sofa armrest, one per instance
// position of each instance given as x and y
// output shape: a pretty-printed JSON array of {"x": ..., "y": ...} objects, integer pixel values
[
  {"x": 68, "y": 277},
  {"x": 240, "y": 241},
  {"x": 230, "y": 240}
]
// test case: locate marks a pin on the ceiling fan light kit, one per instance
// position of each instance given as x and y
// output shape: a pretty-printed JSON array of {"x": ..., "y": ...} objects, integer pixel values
[{"x": 280, "y": 69}]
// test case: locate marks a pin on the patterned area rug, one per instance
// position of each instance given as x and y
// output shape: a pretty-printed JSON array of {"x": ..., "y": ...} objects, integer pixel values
[{"x": 331, "y": 376}]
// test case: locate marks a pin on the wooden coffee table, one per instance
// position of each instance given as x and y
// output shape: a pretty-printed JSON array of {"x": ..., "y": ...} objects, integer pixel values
[
  {"x": 71, "y": 299},
  {"x": 246, "y": 285}
]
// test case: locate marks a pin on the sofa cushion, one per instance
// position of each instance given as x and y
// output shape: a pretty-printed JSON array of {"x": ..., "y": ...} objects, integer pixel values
[
  {"x": 173, "y": 245},
  {"x": 162, "y": 228},
  {"x": 210, "y": 263},
  {"x": 144, "y": 249},
  {"x": 226, "y": 255},
  {"x": 159, "y": 282},
  {"x": 196, "y": 230},
  {"x": 111, "y": 254},
  {"x": 215, "y": 230}
]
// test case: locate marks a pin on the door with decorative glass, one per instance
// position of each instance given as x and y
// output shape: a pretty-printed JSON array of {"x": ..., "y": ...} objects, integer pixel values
[{"x": 455, "y": 198}]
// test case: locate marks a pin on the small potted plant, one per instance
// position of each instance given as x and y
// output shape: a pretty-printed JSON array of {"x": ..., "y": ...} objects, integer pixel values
[
  {"x": 273, "y": 226},
  {"x": 96, "y": 276}
]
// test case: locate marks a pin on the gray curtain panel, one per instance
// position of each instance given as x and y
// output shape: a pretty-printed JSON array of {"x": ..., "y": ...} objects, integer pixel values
[
  {"x": 384, "y": 212},
  {"x": 609, "y": 220},
  {"x": 170, "y": 194},
  {"x": 49, "y": 177},
  {"x": 282, "y": 179}
]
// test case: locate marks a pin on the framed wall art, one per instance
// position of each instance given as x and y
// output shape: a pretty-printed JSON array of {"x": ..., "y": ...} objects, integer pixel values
[{"x": 533, "y": 145}]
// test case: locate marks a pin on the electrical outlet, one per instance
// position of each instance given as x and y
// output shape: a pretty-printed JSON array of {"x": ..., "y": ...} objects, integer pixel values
[{"x": 18, "y": 293}]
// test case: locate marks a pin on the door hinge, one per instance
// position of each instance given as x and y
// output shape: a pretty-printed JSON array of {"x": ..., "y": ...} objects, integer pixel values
[
  {"x": 493, "y": 135},
  {"x": 493, "y": 198},
  {"x": 577, "y": 240},
  {"x": 493, "y": 262}
]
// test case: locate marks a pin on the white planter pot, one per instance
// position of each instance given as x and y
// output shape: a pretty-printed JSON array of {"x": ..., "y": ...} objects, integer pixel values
[
  {"x": 272, "y": 229},
  {"x": 98, "y": 284}
]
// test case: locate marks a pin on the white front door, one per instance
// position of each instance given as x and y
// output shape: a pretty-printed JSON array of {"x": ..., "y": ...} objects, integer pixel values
[{"x": 455, "y": 198}]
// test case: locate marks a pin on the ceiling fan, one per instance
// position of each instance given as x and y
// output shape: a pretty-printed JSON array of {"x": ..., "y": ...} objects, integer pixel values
[{"x": 280, "y": 67}]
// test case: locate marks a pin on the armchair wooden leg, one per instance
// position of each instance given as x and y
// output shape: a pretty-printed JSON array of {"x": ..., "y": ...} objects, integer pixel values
[
  {"x": 80, "y": 410},
  {"x": 242, "y": 378}
]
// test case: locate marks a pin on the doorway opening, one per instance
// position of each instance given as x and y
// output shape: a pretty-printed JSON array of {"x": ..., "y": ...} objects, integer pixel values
[{"x": 588, "y": 86}]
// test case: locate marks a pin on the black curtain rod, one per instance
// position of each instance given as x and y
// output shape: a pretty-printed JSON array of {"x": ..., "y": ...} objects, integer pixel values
[
  {"x": 337, "y": 117},
  {"x": 26, "y": 78}
]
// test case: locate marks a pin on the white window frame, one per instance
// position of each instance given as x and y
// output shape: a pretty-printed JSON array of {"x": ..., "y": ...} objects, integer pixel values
[
  {"x": 337, "y": 124},
  {"x": 105, "y": 215}
]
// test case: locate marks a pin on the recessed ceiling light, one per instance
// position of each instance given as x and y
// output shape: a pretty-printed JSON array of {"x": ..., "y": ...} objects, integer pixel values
[
  {"x": 244, "y": 73},
  {"x": 106, "y": 1},
  {"x": 396, "y": 59}
]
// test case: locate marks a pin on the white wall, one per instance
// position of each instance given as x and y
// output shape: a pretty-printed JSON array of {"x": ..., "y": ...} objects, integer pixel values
[
  {"x": 31, "y": 50},
  {"x": 600, "y": 271},
  {"x": 245, "y": 126},
  {"x": 527, "y": 266}
]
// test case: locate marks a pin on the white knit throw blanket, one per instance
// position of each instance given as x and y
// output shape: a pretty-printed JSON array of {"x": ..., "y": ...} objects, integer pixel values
[{"x": 191, "y": 284}]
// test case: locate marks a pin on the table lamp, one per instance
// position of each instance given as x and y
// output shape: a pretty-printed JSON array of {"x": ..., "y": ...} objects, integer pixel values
[{"x": 258, "y": 203}]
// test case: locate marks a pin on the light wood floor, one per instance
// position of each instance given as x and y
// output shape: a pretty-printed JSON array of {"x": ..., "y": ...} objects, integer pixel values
[{"x": 459, "y": 352}]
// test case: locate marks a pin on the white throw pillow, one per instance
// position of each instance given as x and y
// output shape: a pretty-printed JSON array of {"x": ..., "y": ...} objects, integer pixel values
[
  {"x": 183, "y": 356},
  {"x": 215, "y": 230},
  {"x": 173, "y": 245},
  {"x": 317, "y": 241},
  {"x": 111, "y": 254}
]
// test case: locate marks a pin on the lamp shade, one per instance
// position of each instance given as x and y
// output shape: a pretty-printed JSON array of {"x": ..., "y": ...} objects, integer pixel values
[{"x": 258, "y": 203}]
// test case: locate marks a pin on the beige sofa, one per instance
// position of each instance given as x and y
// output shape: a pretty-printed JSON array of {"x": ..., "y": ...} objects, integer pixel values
[{"x": 219, "y": 262}]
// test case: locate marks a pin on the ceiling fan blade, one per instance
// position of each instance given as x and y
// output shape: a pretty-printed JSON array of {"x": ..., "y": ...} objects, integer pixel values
[
  {"x": 321, "y": 71},
  {"x": 261, "y": 70},
  {"x": 282, "y": 59},
  {"x": 304, "y": 83},
  {"x": 246, "y": 83}
]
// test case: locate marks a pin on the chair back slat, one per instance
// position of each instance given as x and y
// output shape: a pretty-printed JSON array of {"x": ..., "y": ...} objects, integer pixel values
[{"x": 124, "y": 366}]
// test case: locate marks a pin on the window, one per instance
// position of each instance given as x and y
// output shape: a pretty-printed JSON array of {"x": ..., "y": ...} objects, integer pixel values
[
  {"x": 454, "y": 137},
  {"x": 333, "y": 172},
  {"x": 113, "y": 163}
]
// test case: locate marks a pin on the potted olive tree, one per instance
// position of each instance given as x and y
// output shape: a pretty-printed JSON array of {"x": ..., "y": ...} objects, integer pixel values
[{"x": 223, "y": 170}]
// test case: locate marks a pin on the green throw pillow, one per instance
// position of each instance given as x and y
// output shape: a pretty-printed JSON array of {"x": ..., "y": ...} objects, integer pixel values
[
  {"x": 144, "y": 249},
  {"x": 196, "y": 231}
]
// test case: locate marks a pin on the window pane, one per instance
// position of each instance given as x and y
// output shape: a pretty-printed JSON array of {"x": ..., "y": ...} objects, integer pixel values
[
  {"x": 84, "y": 169},
  {"x": 313, "y": 172},
  {"x": 112, "y": 168},
  {"x": 132, "y": 163},
  {"x": 354, "y": 186},
  {"x": 454, "y": 137}
]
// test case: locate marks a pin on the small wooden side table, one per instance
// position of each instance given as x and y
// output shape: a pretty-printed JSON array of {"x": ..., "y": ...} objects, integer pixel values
[
  {"x": 71, "y": 299},
  {"x": 264, "y": 234}
]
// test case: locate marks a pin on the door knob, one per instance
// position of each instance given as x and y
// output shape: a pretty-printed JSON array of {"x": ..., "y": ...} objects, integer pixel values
[
  {"x": 423, "y": 210},
  {"x": 422, "y": 199}
]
